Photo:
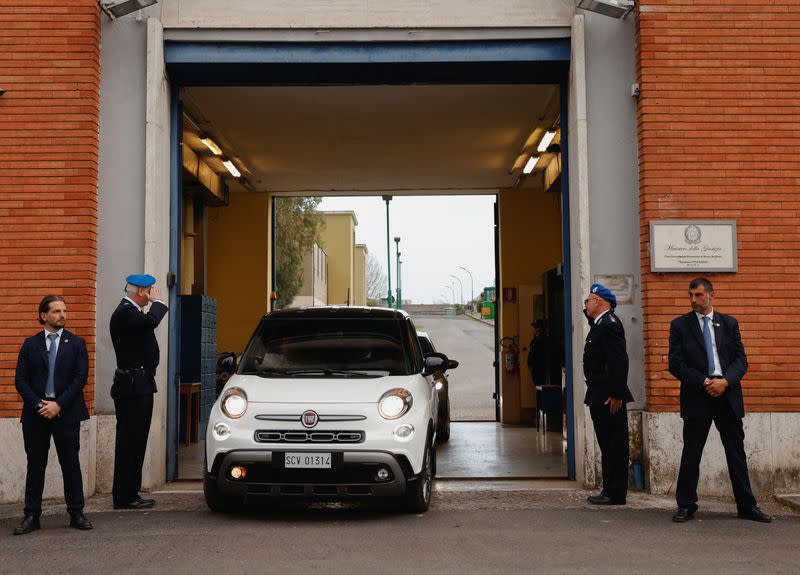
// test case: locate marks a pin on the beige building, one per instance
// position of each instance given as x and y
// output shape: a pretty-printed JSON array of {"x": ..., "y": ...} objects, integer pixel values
[
  {"x": 315, "y": 279},
  {"x": 360, "y": 274},
  {"x": 339, "y": 242}
]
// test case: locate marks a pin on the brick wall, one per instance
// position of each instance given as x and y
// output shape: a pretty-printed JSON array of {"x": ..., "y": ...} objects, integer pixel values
[
  {"x": 719, "y": 138},
  {"x": 49, "y": 116}
]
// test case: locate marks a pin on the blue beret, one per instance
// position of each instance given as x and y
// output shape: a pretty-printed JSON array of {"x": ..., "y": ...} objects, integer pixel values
[
  {"x": 141, "y": 280},
  {"x": 605, "y": 293}
]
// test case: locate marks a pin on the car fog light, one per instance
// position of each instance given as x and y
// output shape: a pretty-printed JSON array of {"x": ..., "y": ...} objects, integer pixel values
[
  {"x": 382, "y": 474},
  {"x": 404, "y": 431},
  {"x": 221, "y": 431},
  {"x": 238, "y": 472},
  {"x": 439, "y": 385}
]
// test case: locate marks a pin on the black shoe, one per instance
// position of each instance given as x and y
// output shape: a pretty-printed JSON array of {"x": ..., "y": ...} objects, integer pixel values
[
  {"x": 78, "y": 521},
  {"x": 604, "y": 500},
  {"x": 755, "y": 514},
  {"x": 136, "y": 504},
  {"x": 683, "y": 515},
  {"x": 150, "y": 502},
  {"x": 29, "y": 523}
]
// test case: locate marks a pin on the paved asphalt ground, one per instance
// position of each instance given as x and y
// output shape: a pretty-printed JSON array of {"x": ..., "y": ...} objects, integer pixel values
[
  {"x": 471, "y": 343},
  {"x": 480, "y": 531}
]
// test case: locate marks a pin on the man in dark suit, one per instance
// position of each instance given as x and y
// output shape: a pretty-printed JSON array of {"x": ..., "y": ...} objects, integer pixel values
[
  {"x": 707, "y": 356},
  {"x": 605, "y": 367},
  {"x": 52, "y": 369},
  {"x": 136, "y": 348}
]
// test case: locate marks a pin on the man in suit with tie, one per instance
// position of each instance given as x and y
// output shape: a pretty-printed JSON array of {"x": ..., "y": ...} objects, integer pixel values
[
  {"x": 707, "y": 355},
  {"x": 52, "y": 369},
  {"x": 605, "y": 367},
  {"x": 136, "y": 348}
]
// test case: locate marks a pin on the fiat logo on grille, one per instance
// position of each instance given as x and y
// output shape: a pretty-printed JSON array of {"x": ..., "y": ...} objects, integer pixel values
[{"x": 309, "y": 418}]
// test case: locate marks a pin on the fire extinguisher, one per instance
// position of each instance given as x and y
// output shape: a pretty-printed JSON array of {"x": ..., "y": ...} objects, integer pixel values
[{"x": 510, "y": 347}]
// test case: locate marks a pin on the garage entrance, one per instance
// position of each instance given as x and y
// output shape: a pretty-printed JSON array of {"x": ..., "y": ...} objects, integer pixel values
[{"x": 334, "y": 120}]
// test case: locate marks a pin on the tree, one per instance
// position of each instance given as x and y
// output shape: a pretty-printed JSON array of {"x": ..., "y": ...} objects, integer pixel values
[
  {"x": 376, "y": 279},
  {"x": 297, "y": 227}
]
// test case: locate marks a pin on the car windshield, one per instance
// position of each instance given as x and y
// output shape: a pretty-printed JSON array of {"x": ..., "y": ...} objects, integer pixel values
[{"x": 327, "y": 347}]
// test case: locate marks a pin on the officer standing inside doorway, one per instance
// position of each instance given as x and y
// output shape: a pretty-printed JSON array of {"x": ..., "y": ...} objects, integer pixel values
[
  {"x": 605, "y": 366},
  {"x": 136, "y": 348}
]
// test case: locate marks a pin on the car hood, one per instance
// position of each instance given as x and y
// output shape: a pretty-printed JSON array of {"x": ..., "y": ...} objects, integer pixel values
[{"x": 320, "y": 390}]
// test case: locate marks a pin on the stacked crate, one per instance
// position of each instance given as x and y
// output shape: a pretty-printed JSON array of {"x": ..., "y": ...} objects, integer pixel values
[{"x": 199, "y": 349}]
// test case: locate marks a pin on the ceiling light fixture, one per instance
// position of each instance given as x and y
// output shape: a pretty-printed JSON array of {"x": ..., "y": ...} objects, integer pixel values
[
  {"x": 231, "y": 168},
  {"x": 546, "y": 140},
  {"x": 211, "y": 145},
  {"x": 530, "y": 165}
]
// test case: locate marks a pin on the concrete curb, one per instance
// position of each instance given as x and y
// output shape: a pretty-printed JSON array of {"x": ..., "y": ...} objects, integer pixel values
[
  {"x": 789, "y": 499},
  {"x": 480, "y": 319}
]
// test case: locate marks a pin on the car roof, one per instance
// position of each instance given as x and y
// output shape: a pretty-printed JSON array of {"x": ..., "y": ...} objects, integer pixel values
[
  {"x": 423, "y": 334},
  {"x": 319, "y": 312}
]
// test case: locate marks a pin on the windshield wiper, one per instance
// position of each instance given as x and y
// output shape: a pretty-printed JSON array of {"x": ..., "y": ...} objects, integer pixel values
[
  {"x": 329, "y": 372},
  {"x": 272, "y": 372}
]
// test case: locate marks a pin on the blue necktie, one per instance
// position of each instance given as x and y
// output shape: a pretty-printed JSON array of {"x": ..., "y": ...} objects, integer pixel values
[
  {"x": 50, "y": 389},
  {"x": 709, "y": 345}
]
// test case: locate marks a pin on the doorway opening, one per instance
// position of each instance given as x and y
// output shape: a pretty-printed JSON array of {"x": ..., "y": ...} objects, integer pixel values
[{"x": 377, "y": 135}]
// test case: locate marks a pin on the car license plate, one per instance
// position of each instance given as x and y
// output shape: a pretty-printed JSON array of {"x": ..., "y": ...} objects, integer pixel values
[{"x": 307, "y": 460}]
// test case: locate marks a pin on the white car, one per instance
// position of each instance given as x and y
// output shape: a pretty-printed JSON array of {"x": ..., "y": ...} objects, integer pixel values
[{"x": 327, "y": 402}]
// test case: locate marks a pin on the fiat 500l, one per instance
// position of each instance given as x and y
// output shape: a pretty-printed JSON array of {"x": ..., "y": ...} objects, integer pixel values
[{"x": 330, "y": 403}]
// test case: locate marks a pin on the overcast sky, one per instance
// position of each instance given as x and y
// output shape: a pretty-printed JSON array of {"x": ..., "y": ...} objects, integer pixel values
[{"x": 437, "y": 235}]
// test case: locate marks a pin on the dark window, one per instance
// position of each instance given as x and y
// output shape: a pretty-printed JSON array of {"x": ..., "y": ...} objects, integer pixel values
[{"x": 292, "y": 346}]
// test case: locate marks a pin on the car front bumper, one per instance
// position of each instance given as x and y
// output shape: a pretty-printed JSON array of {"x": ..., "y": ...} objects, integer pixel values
[{"x": 353, "y": 474}]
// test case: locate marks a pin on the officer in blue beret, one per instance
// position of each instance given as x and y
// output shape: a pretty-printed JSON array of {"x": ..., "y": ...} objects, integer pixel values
[
  {"x": 136, "y": 348},
  {"x": 605, "y": 367}
]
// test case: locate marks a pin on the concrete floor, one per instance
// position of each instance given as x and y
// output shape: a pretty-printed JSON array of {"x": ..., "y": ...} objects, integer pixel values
[{"x": 476, "y": 450}]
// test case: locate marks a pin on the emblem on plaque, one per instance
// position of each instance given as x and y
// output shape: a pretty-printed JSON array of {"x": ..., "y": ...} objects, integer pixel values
[
  {"x": 692, "y": 234},
  {"x": 309, "y": 418}
]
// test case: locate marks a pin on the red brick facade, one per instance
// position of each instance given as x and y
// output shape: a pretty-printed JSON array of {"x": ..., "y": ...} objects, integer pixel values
[
  {"x": 49, "y": 121},
  {"x": 719, "y": 138}
]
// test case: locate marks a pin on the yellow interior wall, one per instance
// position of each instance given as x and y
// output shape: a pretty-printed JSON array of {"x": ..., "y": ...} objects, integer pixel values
[
  {"x": 338, "y": 241},
  {"x": 238, "y": 265},
  {"x": 530, "y": 244}
]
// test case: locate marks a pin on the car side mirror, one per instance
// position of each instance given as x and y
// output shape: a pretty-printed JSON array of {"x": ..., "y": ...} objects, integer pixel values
[{"x": 435, "y": 362}]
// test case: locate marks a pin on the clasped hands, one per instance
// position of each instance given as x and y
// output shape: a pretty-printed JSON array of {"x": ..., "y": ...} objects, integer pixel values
[
  {"x": 49, "y": 409},
  {"x": 715, "y": 387}
]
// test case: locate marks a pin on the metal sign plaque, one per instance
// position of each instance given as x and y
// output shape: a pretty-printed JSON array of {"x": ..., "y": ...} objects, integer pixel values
[{"x": 693, "y": 245}]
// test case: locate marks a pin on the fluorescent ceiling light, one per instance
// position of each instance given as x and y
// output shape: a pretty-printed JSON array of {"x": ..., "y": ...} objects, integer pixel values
[
  {"x": 211, "y": 145},
  {"x": 530, "y": 165},
  {"x": 120, "y": 9},
  {"x": 231, "y": 168},
  {"x": 546, "y": 139}
]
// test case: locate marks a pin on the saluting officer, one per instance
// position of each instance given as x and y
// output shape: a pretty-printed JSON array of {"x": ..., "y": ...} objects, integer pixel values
[
  {"x": 605, "y": 366},
  {"x": 136, "y": 348}
]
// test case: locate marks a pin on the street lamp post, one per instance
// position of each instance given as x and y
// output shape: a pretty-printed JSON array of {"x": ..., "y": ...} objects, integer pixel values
[
  {"x": 398, "y": 305},
  {"x": 399, "y": 284},
  {"x": 471, "y": 286},
  {"x": 388, "y": 199},
  {"x": 462, "y": 288},
  {"x": 452, "y": 292}
]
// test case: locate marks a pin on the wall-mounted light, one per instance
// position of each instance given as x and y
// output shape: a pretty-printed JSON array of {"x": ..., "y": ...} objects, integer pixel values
[
  {"x": 546, "y": 140},
  {"x": 120, "y": 9},
  {"x": 211, "y": 145},
  {"x": 231, "y": 168},
  {"x": 612, "y": 8},
  {"x": 530, "y": 165}
]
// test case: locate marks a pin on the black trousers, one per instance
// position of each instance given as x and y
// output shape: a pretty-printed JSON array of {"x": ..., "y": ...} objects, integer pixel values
[
  {"x": 133, "y": 425},
  {"x": 612, "y": 435},
  {"x": 731, "y": 432},
  {"x": 36, "y": 433}
]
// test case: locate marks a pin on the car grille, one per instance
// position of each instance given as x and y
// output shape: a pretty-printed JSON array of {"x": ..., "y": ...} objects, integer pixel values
[{"x": 298, "y": 436}]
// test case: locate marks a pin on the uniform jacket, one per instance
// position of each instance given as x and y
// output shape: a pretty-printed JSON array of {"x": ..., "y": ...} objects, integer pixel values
[
  {"x": 71, "y": 372},
  {"x": 605, "y": 361},
  {"x": 134, "y": 338},
  {"x": 688, "y": 362}
]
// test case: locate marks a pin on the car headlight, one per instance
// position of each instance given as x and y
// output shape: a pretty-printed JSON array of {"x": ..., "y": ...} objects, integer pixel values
[
  {"x": 234, "y": 402},
  {"x": 394, "y": 403}
]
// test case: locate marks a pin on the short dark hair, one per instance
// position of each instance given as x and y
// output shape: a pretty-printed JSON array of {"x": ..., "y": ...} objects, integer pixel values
[
  {"x": 44, "y": 306},
  {"x": 697, "y": 282}
]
